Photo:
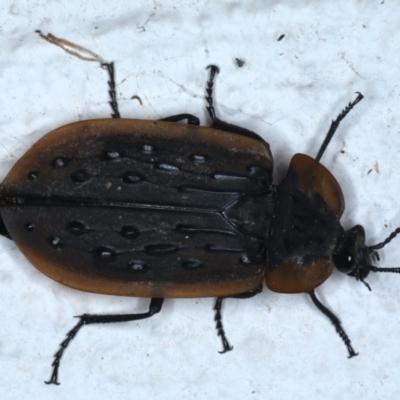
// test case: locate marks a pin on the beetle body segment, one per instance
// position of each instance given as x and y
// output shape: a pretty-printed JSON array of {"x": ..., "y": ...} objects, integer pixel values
[
  {"x": 304, "y": 227},
  {"x": 143, "y": 208}
]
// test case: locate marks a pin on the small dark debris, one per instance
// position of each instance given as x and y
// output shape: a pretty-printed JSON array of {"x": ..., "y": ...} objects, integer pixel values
[
  {"x": 280, "y": 38},
  {"x": 138, "y": 99},
  {"x": 239, "y": 62}
]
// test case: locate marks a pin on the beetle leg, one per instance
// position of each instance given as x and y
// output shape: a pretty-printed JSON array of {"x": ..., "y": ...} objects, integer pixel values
[
  {"x": 335, "y": 123},
  {"x": 191, "y": 119},
  {"x": 219, "y": 326},
  {"x": 218, "y": 316},
  {"x": 209, "y": 89},
  {"x": 335, "y": 321},
  {"x": 217, "y": 123},
  {"x": 111, "y": 83},
  {"x": 3, "y": 230},
  {"x": 249, "y": 294},
  {"x": 87, "y": 319}
]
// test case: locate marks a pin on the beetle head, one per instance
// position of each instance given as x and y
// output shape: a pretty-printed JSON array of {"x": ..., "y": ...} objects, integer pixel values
[{"x": 353, "y": 257}]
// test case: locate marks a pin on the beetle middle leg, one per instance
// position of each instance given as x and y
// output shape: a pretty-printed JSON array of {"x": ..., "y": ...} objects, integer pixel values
[
  {"x": 218, "y": 316},
  {"x": 191, "y": 119},
  {"x": 336, "y": 323},
  {"x": 218, "y": 123},
  {"x": 87, "y": 319}
]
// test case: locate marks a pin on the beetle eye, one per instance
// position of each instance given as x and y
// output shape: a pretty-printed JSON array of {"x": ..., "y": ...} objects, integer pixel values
[{"x": 344, "y": 261}]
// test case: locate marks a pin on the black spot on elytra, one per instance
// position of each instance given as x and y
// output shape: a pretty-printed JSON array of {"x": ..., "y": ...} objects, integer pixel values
[
  {"x": 160, "y": 249},
  {"x": 60, "y": 162},
  {"x": 80, "y": 176},
  {"x": 55, "y": 242},
  {"x": 129, "y": 232},
  {"x": 167, "y": 167},
  {"x": 112, "y": 155},
  {"x": 77, "y": 228},
  {"x": 132, "y": 177},
  {"x": 104, "y": 254},
  {"x": 29, "y": 226},
  {"x": 33, "y": 175},
  {"x": 137, "y": 266},
  {"x": 192, "y": 264},
  {"x": 198, "y": 158},
  {"x": 148, "y": 148}
]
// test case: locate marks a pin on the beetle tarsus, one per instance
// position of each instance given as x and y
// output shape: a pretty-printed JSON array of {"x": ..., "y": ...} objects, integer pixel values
[
  {"x": 63, "y": 345},
  {"x": 87, "y": 319},
  {"x": 218, "y": 315},
  {"x": 111, "y": 83},
  {"x": 336, "y": 323},
  {"x": 214, "y": 70},
  {"x": 219, "y": 326}
]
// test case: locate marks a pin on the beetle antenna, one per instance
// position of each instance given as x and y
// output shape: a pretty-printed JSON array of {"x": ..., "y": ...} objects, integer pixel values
[
  {"x": 378, "y": 246},
  {"x": 335, "y": 123},
  {"x": 372, "y": 268},
  {"x": 394, "y": 270}
]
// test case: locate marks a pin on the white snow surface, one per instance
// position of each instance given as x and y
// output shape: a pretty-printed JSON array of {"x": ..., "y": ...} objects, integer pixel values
[{"x": 287, "y": 91}]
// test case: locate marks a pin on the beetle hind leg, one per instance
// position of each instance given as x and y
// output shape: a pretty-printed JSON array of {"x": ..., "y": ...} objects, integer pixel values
[
  {"x": 336, "y": 323},
  {"x": 87, "y": 319}
]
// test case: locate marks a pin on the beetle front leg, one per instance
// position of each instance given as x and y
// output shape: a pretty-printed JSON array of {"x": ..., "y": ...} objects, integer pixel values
[
  {"x": 336, "y": 323},
  {"x": 87, "y": 319}
]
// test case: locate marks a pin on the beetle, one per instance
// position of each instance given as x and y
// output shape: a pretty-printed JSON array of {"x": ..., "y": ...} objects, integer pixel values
[{"x": 162, "y": 209}]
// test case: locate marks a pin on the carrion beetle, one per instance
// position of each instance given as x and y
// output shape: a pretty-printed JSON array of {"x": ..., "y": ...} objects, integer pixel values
[{"x": 161, "y": 209}]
